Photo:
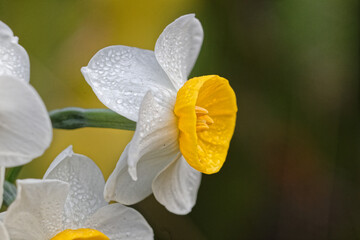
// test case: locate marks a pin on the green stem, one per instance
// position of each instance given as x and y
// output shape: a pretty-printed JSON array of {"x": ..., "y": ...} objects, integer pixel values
[
  {"x": 9, "y": 194},
  {"x": 73, "y": 118},
  {"x": 13, "y": 173}
]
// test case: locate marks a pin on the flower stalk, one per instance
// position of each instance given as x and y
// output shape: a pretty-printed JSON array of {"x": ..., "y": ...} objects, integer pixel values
[
  {"x": 13, "y": 173},
  {"x": 74, "y": 118},
  {"x": 9, "y": 193}
]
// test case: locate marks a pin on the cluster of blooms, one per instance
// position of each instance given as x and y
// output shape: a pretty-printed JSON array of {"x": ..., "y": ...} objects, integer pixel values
[{"x": 183, "y": 129}]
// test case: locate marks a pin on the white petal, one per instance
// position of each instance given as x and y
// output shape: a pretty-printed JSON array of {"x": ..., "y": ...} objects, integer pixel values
[
  {"x": 120, "y": 223},
  {"x": 156, "y": 132},
  {"x": 86, "y": 186},
  {"x": 2, "y": 179},
  {"x": 14, "y": 60},
  {"x": 36, "y": 213},
  {"x": 122, "y": 188},
  {"x": 25, "y": 127},
  {"x": 176, "y": 187},
  {"x": 178, "y": 47},
  {"x": 120, "y": 76},
  {"x": 3, "y": 232}
]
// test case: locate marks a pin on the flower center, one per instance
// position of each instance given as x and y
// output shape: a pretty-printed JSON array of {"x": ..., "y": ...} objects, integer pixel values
[
  {"x": 203, "y": 120},
  {"x": 80, "y": 234}
]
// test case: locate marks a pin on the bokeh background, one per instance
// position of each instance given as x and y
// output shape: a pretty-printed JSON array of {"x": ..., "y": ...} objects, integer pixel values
[{"x": 293, "y": 170}]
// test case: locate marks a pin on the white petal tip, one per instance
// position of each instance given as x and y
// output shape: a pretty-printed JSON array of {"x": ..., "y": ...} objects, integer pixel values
[
  {"x": 15, "y": 39},
  {"x": 86, "y": 73},
  {"x": 68, "y": 152},
  {"x": 179, "y": 212},
  {"x": 84, "y": 70},
  {"x": 188, "y": 16}
]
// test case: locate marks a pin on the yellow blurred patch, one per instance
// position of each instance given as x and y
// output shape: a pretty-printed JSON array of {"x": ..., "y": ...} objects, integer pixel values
[{"x": 94, "y": 25}]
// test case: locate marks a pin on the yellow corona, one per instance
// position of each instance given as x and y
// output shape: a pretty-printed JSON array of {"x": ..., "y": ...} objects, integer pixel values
[
  {"x": 80, "y": 234},
  {"x": 206, "y": 110}
]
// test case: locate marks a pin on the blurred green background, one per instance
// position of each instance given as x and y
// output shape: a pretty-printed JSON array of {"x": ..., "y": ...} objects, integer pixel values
[{"x": 293, "y": 170}]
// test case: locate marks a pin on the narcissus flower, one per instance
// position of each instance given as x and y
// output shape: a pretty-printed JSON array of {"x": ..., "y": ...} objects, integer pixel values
[
  {"x": 68, "y": 204},
  {"x": 183, "y": 127},
  {"x": 25, "y": 127}
]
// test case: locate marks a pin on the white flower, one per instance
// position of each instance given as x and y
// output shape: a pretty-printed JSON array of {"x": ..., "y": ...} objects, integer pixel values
[
  {"x": 68, "y": 203},
  {"x": 25, "y": 127},
  {"x": 183, "y": 127}
]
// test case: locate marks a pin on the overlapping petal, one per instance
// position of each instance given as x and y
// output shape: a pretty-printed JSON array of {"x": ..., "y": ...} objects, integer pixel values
[
  {"x": 155, "y": 132},
  {"x": 36, "y": 213},
  {"x": 120, "y": 77},
  {"x": 86, "y": 182},
  {"x": 178, "y": 47},
  {"x": 122, "y": 188},
  {"x": 25, "y": 127},
  {"x": 176, "y": 186},
  {"x": 120, "y": 223},
  {"x": 152, "y": 148},
  {"x": 14, "y": 60}
]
